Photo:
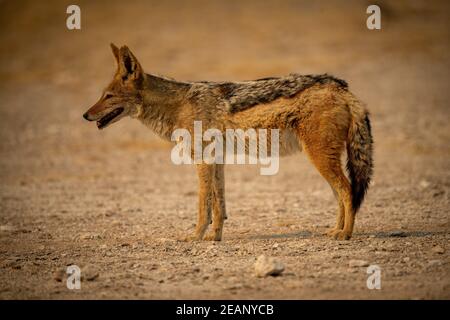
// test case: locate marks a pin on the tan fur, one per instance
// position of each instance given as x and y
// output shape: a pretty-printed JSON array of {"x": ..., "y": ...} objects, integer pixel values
[{"x": 321, "y": 119}]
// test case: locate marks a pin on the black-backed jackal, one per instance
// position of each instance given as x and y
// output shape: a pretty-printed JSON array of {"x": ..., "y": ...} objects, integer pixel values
[{"x": 317, "y": 112}]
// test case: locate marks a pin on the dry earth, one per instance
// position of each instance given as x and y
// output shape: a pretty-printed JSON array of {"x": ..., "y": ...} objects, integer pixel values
[{"x": 112, "y": 202}]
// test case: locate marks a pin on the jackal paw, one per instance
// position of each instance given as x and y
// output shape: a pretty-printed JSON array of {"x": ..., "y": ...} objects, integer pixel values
[
  {"x": 190, "y": 238},
  {"x": 331, "y": 232},
  {"x": 212, "y": 236},
  {"x": 341, "y": 235}
]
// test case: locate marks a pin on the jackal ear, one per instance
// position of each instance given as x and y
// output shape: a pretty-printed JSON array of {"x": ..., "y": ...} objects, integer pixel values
[
  {"x": 129, "y": 67},
  {"x": 115, "y": 52}
]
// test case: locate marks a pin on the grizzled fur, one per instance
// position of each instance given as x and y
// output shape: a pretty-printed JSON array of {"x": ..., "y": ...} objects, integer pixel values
[
  {"x": 313, "y": 113},
  {"x": 243, "y": 95}
]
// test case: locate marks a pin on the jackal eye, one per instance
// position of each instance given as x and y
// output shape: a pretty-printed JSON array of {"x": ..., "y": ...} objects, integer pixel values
[{"x": 107, "y": 96}]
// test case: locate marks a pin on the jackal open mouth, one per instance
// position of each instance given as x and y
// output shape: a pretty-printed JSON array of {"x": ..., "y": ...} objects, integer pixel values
[{"x": 103, "y": 122}]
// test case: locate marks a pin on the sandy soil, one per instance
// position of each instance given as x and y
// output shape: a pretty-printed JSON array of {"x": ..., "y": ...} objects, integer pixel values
[{"x": 112, "y": 202}]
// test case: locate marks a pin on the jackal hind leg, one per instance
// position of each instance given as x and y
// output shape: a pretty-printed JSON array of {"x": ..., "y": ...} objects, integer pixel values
[
  {"x": 326, "y": 159},
  {"x": 205, "y": 174},
  {"x": 340, "y": 216},
  {"x": 218, "y": 204}
]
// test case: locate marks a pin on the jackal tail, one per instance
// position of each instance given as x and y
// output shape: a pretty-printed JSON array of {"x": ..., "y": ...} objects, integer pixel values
[{"x": 359, "y": 153}]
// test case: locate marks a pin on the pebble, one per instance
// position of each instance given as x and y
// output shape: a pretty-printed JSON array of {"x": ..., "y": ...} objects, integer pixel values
[
  {"x": 7, "y": 228},
  {"x": 358, "y": 263},
  {"x": 268, "y": 266},
  {"x": 89, "y": 273},
  {"x": 59, "y": 275},
  {"x": 438, "y": 250},
  {"x": 90, "y": 236},
  {"x": 433, "y": 263},
  {"x": 397, "y": 234},
  {"x": 399, "y": 273},
  {"x": 236, "y": 286},
  {"x": 424, "y": 184}
]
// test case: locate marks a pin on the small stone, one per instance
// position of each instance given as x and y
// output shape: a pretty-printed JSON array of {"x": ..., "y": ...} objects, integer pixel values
[
  {"x": 90, "y": 236},
  {"x": 7, "y": 228},
  {"x": 399, "y": 273},
  {"x": 89, "y": 273},
  {"x": 59, "y": 275},
  {"x": 358, "y": 263},
  {"x": 109, "y": 213},
  {"x": 424, "y": 184},
  {"x": 116, "y": 223},
  {"x": 406, "y": 259},
  {"x": 268, "y": 266},
  {"x": 236, "y": 286},
  {"x": 399, "y": 234},
  {"x": 438, "y": 250},
  {"x": 433, "y": 263},
  {"x": 132, "y": 265},
  {"x": 438, "y": 193}
]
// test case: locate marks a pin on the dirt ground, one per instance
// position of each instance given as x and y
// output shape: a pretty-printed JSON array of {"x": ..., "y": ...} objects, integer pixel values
[{"x": 112, "y": 202}]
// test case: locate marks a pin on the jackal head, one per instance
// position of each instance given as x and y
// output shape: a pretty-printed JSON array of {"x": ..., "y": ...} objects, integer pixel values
[{"x": 122, "y": 96}]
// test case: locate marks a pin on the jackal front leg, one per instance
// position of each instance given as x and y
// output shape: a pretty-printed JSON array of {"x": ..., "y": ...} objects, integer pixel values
[
  {"x": 218, "y": 204},
  {"x": 205, "y": 183}
]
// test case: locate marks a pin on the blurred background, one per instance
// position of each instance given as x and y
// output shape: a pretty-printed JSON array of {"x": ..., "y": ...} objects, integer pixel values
[
  {"x": 61, "y": 176},
  {"x": 50, "y": 74}
]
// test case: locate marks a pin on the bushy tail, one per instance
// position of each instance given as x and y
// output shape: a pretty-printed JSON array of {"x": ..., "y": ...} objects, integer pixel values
[{"x": 359, "y": 153}]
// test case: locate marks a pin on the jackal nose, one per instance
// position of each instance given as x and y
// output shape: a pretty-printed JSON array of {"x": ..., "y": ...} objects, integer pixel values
[{"x": 86, "y": 116}]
